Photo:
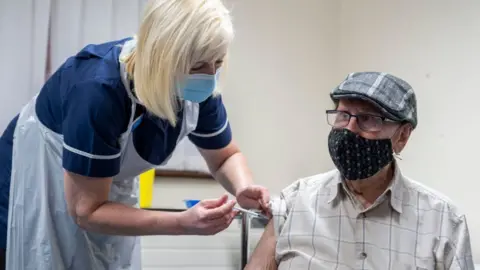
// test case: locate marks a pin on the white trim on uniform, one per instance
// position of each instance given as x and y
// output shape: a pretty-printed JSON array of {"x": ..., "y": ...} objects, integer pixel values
[
  {"x": 212, "y": 134},
  {"x": 88, "y": 155}
]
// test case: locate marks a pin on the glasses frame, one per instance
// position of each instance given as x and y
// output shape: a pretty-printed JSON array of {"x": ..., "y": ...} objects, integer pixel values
[{"x": 350, "y": 115}]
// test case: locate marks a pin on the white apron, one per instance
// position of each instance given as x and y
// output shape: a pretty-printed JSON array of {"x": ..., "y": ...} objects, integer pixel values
[{"x": 41, "y": 233}]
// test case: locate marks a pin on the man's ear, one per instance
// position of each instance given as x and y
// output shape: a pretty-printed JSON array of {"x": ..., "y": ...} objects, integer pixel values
[{"x": 404, "y": 132}]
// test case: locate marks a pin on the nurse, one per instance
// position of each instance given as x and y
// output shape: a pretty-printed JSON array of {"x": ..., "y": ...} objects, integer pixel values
[{"x": 112, "y": 111}]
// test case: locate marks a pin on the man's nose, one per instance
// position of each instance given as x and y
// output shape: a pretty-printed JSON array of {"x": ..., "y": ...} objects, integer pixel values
[{"x": 353, "y": 125}]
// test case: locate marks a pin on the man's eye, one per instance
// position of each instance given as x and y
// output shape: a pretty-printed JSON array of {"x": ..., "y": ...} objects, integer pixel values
[
  {"x": 342, "y": 116},
  {"x": 364, "y": 117}
]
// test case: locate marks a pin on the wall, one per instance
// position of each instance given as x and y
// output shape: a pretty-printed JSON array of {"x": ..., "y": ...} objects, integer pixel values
[
  {"x": 22, "y": 52},
  {"x": 279, "y": 77}
]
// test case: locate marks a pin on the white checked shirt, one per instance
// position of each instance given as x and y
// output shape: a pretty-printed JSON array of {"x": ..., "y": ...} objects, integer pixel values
[{"x": 319, "y": 226}]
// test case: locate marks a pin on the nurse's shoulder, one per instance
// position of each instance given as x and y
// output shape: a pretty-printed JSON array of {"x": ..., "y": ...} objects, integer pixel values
[{"x": 86, "y": 102}]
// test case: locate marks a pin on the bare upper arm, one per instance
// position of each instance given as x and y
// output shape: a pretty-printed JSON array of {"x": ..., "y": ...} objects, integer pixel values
[
  {"x": 85, "y": 194},
  {"x": 263, "y": 257},
  {"x": 216, "y": 157}
]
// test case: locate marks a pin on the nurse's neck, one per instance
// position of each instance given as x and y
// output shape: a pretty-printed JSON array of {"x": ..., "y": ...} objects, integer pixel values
[{"x": 368, "y": 190}]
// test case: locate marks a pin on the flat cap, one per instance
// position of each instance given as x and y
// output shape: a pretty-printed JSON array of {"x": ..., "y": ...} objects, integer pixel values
[{"x": 392, "y": 95}]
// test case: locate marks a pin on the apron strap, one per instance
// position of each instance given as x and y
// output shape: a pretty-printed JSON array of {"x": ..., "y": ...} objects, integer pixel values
[{"x": 190, "y": 118}]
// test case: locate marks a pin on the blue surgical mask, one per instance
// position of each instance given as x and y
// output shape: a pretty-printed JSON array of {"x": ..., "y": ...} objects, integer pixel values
[{"x": 199, "y": 87}]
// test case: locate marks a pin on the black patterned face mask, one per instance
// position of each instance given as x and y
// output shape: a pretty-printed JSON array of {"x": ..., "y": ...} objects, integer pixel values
[{"x": 356, "y": 157}]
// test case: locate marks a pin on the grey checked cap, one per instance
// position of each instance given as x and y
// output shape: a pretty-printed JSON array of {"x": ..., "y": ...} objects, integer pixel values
[{"x": 392, "y": 95}]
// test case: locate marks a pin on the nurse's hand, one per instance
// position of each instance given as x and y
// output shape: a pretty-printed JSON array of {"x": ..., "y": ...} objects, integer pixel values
[
  {"x": 254, "y": 197},
  {"x": 208, "y": 217}
]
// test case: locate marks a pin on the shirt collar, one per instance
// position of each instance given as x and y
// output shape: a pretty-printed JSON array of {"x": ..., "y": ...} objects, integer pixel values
[{"x": 394, "y": 191}]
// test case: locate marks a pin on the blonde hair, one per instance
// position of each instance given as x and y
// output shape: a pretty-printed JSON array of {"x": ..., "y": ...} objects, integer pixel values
[{"x": 174, "y": 35}]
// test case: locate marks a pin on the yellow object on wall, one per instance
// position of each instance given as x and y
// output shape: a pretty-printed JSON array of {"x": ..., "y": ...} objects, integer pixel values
[{"x": 146, "y": 188}]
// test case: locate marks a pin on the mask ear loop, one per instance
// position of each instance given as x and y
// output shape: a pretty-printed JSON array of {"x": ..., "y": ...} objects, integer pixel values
[{"x": 395, "y": 154}]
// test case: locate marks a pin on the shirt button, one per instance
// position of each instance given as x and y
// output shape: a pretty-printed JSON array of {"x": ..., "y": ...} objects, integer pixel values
[{"x": 363, "y": 255}]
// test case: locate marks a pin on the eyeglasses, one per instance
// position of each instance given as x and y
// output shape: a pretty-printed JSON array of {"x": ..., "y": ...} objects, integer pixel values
[{"x": 366, "y": 122}]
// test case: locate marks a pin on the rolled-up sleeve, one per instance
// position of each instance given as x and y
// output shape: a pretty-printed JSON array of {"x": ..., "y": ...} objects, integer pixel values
[
  {"x": 93, "y": 121},
  {"x": 457, "y": 249},
  {"x": 213, "y": 129}
]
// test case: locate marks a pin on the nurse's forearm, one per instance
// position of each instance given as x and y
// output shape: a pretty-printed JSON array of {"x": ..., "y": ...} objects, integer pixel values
[
  {"x": 118, "y": 219},
  {"x": 87, "y": 202},
  {"x": 234, "y": 174}
]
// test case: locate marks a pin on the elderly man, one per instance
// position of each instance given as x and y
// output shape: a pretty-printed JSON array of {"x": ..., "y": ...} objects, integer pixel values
[{"x": 365, "y": 214}]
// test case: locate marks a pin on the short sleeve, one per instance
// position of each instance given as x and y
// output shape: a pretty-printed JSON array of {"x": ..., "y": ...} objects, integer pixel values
[
  {"x": 455, "y": 250},
  {"x": 213, "y": 129},
  {"x": 281, "y": 206},
  {"x": 94, "y": 117}
]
